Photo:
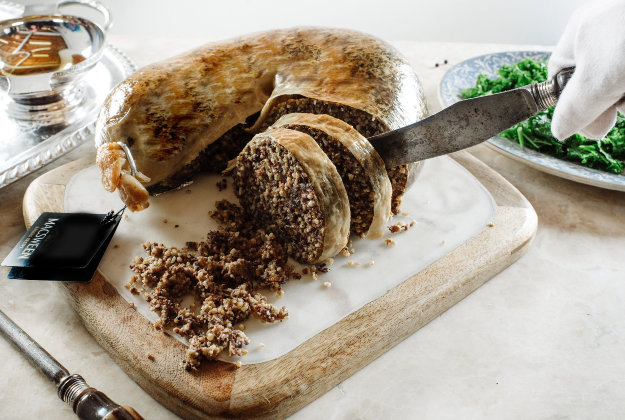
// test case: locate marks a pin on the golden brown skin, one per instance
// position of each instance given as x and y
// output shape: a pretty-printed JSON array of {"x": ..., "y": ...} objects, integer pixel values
[{"x": 168, "y": 112}]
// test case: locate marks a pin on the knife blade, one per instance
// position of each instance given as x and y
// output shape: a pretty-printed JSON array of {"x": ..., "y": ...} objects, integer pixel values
[{"x": 467, "y": 123}]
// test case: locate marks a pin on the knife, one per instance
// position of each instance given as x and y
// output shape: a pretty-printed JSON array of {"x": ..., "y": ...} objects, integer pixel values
[
  {"x": 88, "y": 403},
  {"x": 467, "y": 123}
]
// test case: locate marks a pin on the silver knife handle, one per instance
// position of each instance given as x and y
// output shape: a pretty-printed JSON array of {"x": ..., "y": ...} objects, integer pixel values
[
  {"x": 90, "y": 404},
  {"x": 546, "y": 94}
]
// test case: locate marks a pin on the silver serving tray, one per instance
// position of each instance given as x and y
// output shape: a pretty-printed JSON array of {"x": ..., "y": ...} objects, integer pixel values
[{"x": 24, "y": 150}]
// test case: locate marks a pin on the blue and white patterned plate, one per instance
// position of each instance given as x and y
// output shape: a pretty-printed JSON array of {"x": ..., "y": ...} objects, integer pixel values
[{"x": 463, "y": 75}]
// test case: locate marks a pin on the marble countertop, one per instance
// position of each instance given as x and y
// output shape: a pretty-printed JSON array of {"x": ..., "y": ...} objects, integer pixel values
[{"x": 543, "y": 339}]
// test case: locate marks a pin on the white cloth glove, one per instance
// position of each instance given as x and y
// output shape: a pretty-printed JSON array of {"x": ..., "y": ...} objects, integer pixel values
[{"x": 593, "y": 42}]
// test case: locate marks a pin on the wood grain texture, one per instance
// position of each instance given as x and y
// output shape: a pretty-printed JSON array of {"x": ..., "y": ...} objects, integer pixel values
[{"x": 281, "y": 386}]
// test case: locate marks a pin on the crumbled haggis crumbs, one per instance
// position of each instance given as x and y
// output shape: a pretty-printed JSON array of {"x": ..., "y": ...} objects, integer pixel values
[
  {"x": 371, "y": 262},
  {"x": 389, "y": 242},
  {"x": 315, "y": 269},
  {"x": 224, "y": 273},
  {"x": 237, "y": 364},
  {"x": 150, "y": 357},
  {"x": 126, "y": 216},
  {"x": 405, "y": 213},
  {"x": 164, "y": 220},
  {"x": 132, "y": 289},
  {"x": 321, "y": 268},
  {"x": 398, "y": 227},
  {"x": 401, "y": 227},
  {"x": 327, "y": 284},
  {"x": 345, "y": 252},
  {"x": 491, "y": 224},
  {"x": 330, "y": 261},
  {"x": 223, "y": 184},
  {"x": 353, "y": 263},
  {"x": 261, "y": 345}
]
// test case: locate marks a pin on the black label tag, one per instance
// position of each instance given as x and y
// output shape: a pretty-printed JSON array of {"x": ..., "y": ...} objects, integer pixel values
[{"x": 63, "y": 246}]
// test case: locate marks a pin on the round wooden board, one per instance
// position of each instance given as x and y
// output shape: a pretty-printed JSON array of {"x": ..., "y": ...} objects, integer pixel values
[{"x": 280, "y": 387}]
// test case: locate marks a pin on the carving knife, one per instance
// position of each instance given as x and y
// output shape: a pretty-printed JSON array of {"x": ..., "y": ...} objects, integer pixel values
[
  {"x": 467, "y": 123},
  {"x": 88, "y": 403}
]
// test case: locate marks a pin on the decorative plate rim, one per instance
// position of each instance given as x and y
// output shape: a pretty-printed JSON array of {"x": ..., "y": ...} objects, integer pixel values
[
  {"x": 448, "y": 93},
  {"x": 64, "y": 143}
]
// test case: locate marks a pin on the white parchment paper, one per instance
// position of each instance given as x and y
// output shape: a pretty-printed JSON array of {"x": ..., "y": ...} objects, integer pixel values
[{"x": 447, "y": 203}]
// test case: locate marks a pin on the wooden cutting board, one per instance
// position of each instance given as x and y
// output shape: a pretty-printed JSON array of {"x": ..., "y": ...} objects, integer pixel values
[{"x": 281, "y": 386}]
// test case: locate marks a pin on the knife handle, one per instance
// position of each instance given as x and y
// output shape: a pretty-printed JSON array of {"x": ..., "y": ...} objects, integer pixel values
[
  {"x": 90, "y": 404},
  {"x": 546, "y": 94}
]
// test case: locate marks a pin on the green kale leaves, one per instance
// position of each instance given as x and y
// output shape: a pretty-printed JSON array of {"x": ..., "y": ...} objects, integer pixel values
[{"x": 607, "y": 154}]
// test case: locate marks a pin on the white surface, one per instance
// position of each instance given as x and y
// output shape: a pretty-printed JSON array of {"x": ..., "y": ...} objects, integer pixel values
[
  {"x": 448, "y": 204},
  {"x": 528, "y": 21}
]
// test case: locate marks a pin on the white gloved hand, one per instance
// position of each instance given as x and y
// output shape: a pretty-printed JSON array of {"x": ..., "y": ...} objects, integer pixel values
[{"x": 593, "y": 42}]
